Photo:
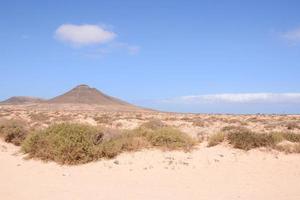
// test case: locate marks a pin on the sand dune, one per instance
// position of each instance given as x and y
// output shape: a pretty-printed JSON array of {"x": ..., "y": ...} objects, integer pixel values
[{"x": 206, "y": 173}]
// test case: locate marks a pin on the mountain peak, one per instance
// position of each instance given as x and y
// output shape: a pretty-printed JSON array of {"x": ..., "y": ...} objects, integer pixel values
[
  {"x": 83, "y": 86},
  {"x": 84, "y": 94}
]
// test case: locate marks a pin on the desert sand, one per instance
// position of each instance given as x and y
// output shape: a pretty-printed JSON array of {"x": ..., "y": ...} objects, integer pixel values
[{"x": 206, "y": 173}]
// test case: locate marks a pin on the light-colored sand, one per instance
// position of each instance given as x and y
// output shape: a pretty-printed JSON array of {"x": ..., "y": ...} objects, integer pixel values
[{"x": 207, "y": 173}]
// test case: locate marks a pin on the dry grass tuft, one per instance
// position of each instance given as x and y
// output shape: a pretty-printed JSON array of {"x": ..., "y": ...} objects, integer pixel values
[{"x": 216, "y": 139}]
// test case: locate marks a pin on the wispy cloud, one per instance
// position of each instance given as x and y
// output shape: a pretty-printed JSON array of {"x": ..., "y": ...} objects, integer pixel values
[
  {"x": 292, "y": 35},
  {"x": 237, "y": 98},
  {"x": 86, "y": 34},
  {"x": 131, "y": 49},
  {"x": 114, "y": 47}
]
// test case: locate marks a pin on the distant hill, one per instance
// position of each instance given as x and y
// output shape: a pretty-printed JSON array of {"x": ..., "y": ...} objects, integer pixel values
[
  {"x": 81, "y": 97},
  {"x": 83, "y": 94},
  {"x": 22, "y": 100}
]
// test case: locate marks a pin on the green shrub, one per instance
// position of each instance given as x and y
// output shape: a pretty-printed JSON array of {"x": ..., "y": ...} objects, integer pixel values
[
  {"x": 216, "y": 139},
  {"x": 13, "y": 131},
  {"x": 63, "y": 143},
  {"x": 77, "y": 143},
  {"x": 170, "y": 138}
]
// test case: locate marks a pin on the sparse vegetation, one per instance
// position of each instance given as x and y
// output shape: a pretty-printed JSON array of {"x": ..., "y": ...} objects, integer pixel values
[{"x": 69, "y": 143}]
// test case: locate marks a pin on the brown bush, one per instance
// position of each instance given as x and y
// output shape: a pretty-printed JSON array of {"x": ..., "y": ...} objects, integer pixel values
[{"x": 13, "y": 131}]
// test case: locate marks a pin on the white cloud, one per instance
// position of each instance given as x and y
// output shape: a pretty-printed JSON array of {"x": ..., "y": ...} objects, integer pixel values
[
  {"x": 86, "y": 34},
  {"x": 293, "y": 35},
  {"x": 239, "y": 98}
]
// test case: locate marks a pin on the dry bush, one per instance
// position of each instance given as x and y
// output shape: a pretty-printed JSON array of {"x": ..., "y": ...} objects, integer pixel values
[
  {"x": 188, "y": 119},
  {"x": 246, "y": 139},
  {"x": 229, "y": 129},
  {"x": 13, "y": 131},
  {"x": 292, "y": 125},
  {"x": 103, "y": 119},
  {"x": 199, "y": 123},
  {"x": 3, "y": 114},
  {"x": 139, "y": 116},
  {"x": 292, "y": 137},
  {"x": 216, "y": 139},
  {"x": 255, "y": 120},
  {"x": 231, "y": 121},
  {"x": 40, "y": 117},
  {"x": 289, "y": 148},
  {"x": 170, "y": 119},
  {"x": 153, "y": 124},
  {"x": 116, "y": 145},
  {"x": 64, "y": 118}
]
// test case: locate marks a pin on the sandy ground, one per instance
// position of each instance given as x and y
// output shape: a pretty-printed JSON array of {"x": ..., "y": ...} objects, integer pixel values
[{"x": 206, "y": 173}]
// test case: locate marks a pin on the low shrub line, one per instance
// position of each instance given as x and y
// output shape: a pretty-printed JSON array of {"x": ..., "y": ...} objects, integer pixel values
[
  {"x": 71, "y": 143},
  {"x": 76, "y": 143}
]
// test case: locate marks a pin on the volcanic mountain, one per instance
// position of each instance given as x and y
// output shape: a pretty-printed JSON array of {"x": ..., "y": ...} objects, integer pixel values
[
  {"x": 83, "y": 94},
  {"x": 22, "y": 100}
]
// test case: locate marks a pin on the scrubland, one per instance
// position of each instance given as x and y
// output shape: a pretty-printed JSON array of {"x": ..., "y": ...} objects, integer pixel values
[{"x": 186, "y": 151}]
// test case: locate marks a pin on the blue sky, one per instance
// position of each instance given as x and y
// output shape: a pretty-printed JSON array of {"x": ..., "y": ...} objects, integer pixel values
[{"x": 156, "y": 53}]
